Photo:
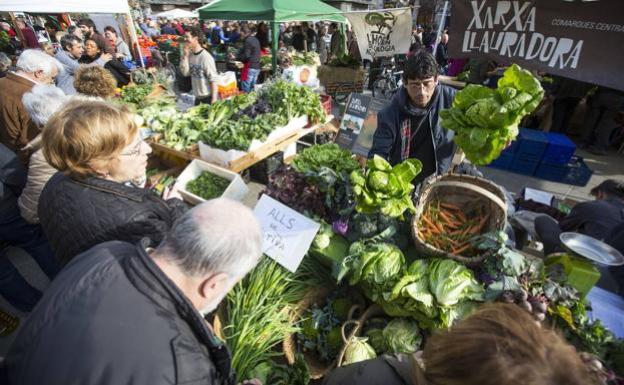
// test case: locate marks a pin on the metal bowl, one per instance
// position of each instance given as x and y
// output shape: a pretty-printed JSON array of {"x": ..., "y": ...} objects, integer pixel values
[{"x": 591, "y": 248}]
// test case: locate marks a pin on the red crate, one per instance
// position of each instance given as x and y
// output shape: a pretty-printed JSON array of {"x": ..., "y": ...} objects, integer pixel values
[{"x": 326, "y": 101}]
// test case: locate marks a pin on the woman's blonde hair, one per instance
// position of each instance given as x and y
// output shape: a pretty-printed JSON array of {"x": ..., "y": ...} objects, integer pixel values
[
  {"x": 500, "y": 345},
  {"x": 85, "y": 131},
  {"x": 95, "y": 81}
]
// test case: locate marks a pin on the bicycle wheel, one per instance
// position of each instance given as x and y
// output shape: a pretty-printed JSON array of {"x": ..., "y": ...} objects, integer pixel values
[
  {"x": 342, "y": 92},
  {"x": 380, "y": 88}
]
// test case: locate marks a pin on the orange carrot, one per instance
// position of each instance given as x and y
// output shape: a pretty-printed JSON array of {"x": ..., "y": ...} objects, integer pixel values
[
  {"x": 450, "y": 206},
  {"x": 461, "y": 249}
]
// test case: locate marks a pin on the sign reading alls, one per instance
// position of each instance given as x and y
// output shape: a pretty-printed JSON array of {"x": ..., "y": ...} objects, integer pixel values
[
  {"x": 576, "y": 39},
  {"x": 385, "y": 32},
  {"x": 287, "y": 235}
]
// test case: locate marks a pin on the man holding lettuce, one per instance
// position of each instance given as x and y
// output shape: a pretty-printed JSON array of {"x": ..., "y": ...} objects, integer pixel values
[{"x": 410, "y": 126}]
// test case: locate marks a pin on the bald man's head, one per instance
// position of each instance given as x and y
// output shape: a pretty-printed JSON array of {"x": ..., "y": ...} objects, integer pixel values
[{"x": 218, "y": 236}]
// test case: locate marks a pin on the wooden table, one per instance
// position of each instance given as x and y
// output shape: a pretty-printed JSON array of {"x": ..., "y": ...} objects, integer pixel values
[
  {"x": 451, "y": 81},
  {"x": 251, "y": 157}
]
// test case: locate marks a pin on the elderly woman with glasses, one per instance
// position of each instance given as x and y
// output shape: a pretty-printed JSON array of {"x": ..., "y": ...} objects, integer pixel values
[{"x": 97, "y": 148}]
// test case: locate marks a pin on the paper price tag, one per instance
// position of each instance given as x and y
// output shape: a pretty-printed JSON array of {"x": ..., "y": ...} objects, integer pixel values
[{"x": 287, "y": 235}]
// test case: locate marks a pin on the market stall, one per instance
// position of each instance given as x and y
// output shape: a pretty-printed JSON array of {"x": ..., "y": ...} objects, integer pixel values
[
  {"x": 385, "y": 269},
  {"x": 234, "y": 133},
  {"x": 274, "y": 11}
]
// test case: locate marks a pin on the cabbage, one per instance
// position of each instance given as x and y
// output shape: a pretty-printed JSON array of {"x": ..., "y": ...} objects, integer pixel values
[
  {"x": 358, "y": 350},
  {"x": 376, "y": 266},
  {"x": 385, "y": 189},
  {"x": 485, "y": 120},
  {"x": 376, "y": 339},
  {"x": 450, "y": 282},
  {"x": 402, "y": 336}
]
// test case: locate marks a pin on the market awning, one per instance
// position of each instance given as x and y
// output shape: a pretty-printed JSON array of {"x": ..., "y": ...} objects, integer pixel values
[
  {"x": 176, "y": 13},
  {"x": 65, "y": 6},
  {"x": 270, "y": 10}
]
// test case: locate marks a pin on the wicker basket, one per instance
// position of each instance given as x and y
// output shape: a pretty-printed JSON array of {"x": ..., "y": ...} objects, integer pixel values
[
  {"x": 467, "y": 192},
  {"x": 328, "y": 74},
  {"x": 317, "y": 367},
  {"x": 371, "y": 311}
]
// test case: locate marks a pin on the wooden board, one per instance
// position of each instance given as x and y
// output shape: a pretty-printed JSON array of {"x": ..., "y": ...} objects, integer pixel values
[
  {"x": 252, "y": 157},
  {"x": 272, "y": 147},
  {"x": 451, "y": 81}
]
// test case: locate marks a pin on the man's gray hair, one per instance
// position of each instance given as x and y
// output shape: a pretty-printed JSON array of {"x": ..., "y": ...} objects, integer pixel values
[
  {"x": 218, "y": 236},
  {"x": 69, "y": 40},
  {"x": 33, "y": 60},
  {"x": 42, "y": 102},
  {"x": 5, "y": 62}
]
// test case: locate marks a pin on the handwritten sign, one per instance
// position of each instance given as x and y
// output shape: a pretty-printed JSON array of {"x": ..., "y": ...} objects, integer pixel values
[{"x": 287, "y": 235}]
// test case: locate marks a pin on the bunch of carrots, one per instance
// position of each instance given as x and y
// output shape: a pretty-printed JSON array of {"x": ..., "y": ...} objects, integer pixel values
[{"x": 451, "y": 229}]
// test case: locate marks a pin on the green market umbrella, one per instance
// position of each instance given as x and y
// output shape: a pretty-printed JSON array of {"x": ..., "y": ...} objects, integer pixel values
[{"x": 274, "y": 11}]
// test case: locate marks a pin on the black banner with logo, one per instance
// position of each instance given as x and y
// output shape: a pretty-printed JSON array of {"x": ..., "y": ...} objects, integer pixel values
[{"x": 575, "y": 39}]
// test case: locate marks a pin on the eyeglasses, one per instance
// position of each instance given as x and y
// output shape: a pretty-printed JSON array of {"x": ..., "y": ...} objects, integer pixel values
[
  {"x": 427, "y": 84},
  {"x": 136, "y": 149}
]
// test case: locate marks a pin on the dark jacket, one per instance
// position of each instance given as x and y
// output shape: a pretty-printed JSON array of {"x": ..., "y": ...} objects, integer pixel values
[
  {"x": 113, "y": 317},
  {"x": 78, "y": 214},
  {"x": 595, "y": 218},
  {"x": 251, "y": 52},
  {"x": 383, "y": 370},
  {"x": 13, "y": 177},
  {"x": 388, "y": 138}
]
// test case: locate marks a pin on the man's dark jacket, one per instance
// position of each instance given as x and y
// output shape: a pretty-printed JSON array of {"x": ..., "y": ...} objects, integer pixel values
[
  {"x": 251, "y": 52},
  {"x": 77, "y": 214},
  {"x": 13, "y": 178},
  {"x": 595, "y": 218},
  {"x": 113, "y": 317},
  {"x": 387, "y": 141}
]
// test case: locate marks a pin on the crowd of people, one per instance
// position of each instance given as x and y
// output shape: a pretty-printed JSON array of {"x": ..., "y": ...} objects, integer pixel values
[{"x": 133, "y": 275}]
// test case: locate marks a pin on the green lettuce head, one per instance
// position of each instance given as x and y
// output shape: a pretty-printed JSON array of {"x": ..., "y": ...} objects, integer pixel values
[
  {"x": 358, "y": 350},
  {"x": 451, "y": 282},
  {"x": 402, "y": 335}
]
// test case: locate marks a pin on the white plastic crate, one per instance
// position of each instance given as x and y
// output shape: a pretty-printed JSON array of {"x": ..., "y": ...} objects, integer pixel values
[{"x": 237, "y": 190}]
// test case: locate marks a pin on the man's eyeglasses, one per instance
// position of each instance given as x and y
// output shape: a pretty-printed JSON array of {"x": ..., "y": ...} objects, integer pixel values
[{"x": 427, "y": 84}]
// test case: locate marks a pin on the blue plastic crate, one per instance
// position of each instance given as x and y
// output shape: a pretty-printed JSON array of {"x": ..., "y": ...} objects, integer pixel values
[
  {"x": 560, "y": 149},
  {"x": 531, "y": 144},
  {"x": 525, "y": 166},
  {"x": 576, "y": 172},
  {"x": 504, "y": 161},
  {"x": 550, "y": 171}
]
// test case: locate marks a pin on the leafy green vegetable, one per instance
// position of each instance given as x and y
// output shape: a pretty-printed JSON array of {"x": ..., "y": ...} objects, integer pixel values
[
  {"x": 208, "y": 185},
  {"x": 358, "y": 350},
  {"x": 385, "y": 189},
  {"x": 450, "y": 282},
  {"x": 485, "y": 120},
  {"x": 258, "y": 314},
  {"x": 290, "y": 100},
  {"x": 343, "y": 60},
  {"x": 330, "y": 155},
  {"x": 375, "y": 266},
  {"x": 402, "y": 335},
  {"x": 435, "y": 294},
  {"x": 136, "y": 94}
]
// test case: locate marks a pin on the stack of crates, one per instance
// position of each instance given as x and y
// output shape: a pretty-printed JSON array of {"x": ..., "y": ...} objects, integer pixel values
[
  {"x": 524, "y": 154},
  {"x": 530, "y": 148},
  {"x": 559, "y": 163}
]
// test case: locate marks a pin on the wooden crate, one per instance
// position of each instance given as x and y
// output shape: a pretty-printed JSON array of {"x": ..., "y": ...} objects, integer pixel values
[
  {"x": 249, "y": 159},
  {"x": 344, "y": 87}
]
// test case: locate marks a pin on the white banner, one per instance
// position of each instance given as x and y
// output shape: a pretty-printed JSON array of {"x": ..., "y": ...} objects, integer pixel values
[{"x": 383, "y": 32}]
